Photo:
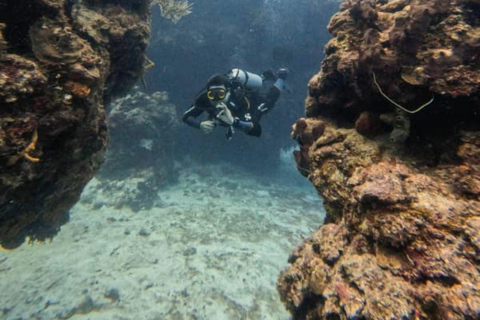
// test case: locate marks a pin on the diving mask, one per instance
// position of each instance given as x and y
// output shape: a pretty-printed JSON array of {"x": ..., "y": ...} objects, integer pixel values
[{"x": 216, "y": 93}]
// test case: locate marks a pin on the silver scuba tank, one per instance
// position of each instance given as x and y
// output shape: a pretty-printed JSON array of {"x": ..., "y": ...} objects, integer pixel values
[{"x": 250, "y": 81}]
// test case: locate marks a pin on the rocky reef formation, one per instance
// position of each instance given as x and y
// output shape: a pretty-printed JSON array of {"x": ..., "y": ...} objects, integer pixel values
[
  {"x": 392, "y": 143},
  {"x": 139, "y": 160},
  {"x": 61, "y": 61}
]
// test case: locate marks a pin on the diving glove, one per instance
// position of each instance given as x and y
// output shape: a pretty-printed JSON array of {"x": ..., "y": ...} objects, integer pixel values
[
  {"x": 207, "y": 126},
  {"x": 224, "y": 114}
]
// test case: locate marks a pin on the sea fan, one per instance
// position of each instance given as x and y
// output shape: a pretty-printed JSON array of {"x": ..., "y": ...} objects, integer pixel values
[{"x": 173, "y": 9}]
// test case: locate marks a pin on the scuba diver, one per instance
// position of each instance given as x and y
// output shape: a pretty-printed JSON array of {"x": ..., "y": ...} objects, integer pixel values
[{"x": 236, "y": 100}]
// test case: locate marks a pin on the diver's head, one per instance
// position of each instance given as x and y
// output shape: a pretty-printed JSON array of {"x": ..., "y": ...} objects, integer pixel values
[{"x": 218, "y": 89}]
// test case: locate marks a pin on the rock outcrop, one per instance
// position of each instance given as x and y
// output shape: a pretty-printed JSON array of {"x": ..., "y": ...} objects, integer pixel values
[
  {"x": 392, "y": 143},
  {"x": 140, "y": 157},
  {"x": 60, "y": 63}
]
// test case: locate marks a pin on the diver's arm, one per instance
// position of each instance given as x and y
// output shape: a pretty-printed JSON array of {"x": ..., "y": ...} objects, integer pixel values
[
  {"x": 279, "y": 84},
  {"x": 245, "y": 126},
  {"x": 189, "y": 117},
  {"x": 249, "y": 127}
]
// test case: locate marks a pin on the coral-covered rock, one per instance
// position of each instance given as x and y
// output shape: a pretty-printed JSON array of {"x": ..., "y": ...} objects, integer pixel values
[
  {"x": 401, "y": 237},
  {"x": 143, "y": 130},
  {"x": 56, "y": 60},
  {"x": 369, "y": 124},
  {"x": 416, "y": 49},
  {"x": 399, "y": 242}
]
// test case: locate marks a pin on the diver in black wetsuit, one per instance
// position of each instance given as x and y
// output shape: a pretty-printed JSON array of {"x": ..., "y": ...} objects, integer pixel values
[{"x": 236, "y": 101}]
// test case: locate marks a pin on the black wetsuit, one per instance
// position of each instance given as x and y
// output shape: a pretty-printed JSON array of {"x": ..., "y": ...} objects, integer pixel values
[{"x": 242, "y": 104}]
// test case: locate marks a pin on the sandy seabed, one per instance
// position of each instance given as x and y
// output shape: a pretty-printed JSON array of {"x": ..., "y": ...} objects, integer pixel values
[{"x": 212, "y": 249}]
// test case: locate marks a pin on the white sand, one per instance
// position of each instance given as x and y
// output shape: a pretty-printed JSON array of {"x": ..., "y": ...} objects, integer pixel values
[{"x": 210, "y": 253}]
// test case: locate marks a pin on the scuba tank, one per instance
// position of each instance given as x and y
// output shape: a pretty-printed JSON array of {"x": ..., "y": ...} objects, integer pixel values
[{"x": 249, "y": 80}]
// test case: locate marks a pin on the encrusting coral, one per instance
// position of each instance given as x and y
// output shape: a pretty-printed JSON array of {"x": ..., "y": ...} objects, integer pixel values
[{"x": 401, "y": 189}]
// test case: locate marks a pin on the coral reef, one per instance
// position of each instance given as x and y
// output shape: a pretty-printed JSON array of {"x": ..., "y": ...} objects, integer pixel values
[
  {"x": 140, "y": 156},
  {"x": 401, "y": 189},
  {"x": 60, "y": 63}
]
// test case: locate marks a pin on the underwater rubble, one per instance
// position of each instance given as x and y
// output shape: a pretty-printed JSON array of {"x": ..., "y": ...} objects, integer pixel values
[
  {"x": 392, "y": 143},
  {"x": 61, "y": 62}
]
